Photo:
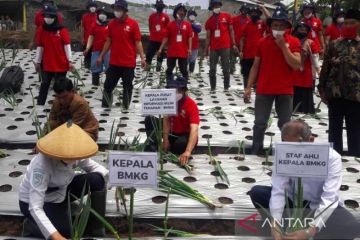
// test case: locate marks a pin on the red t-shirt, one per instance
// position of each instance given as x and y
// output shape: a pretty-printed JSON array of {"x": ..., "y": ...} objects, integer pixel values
[
  {"x": 124, "y": 36},
  {"x": 99, "y": 32},
  {"x": 177, "y": 48},
  {"x": 333, "y": 31},
  {"x": 188, "y": 113},
  {"x": 39, "y": 18},
  {"x": 87, "y": 21},
  {"x": 157, "y": 25},
  {"x": 316, "y": 27},
  {"x": 239, "y": 23},
  {"x": 54, "y": 57},
  {"x": 252, "y": 33},
  {"x": 275, "y": 75},
  {"x": 303, "y": 77},
  {"x": 221, "y": 22}
]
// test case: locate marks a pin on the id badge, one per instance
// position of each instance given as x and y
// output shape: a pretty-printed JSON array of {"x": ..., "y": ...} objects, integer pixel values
[
  {"x": 179, "y": 38},
  {"x": 158, "y": 28},
  {"x": 217, "y": 33},
  {"x": 313, "y": 34}
]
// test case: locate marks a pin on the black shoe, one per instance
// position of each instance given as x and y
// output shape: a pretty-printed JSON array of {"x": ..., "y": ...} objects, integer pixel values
[{"x": 96, "y": 79}]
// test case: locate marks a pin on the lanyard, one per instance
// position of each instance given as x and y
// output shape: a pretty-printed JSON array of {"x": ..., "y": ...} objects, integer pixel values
[
  {"x": 178, "y": 26},
  {"x": 158, "y": 17},
  {"x": 217, "y": 20}
]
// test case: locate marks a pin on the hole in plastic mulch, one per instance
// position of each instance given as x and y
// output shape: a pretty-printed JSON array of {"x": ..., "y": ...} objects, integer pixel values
[
  {"x": 5, "y": 188},
  {"x": 351, "y": 203},
  {"x": 189, "y": 179},
  {"x": 248, "y": 180},
  {"x": 159, "y": 199},
  {"x": 15, "y": 174},
  {"x": 344, "y": 187},
  {"x": 24, "y": 162},
  {"x": 225, "y": 200},
  {"x": 352, "y": 170},
  {"x": 221, "y": 186},
  {"x": 243, "y": 168}
]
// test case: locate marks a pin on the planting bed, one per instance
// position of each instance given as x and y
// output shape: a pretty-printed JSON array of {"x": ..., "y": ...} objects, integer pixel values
[{"x": 225, "y": 119}]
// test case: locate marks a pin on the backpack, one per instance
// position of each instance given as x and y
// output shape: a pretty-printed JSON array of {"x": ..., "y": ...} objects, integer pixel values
[{"x": 11, "y": 79}]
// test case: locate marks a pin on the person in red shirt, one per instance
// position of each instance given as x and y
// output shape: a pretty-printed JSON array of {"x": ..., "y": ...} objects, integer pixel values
[
  {"x": 124, "y": 41},
  {"x": 53, "y": 53},
  {"x": 179, "y": 40},
  {"x": 220, "y": 37},
  {"x": 96, "y": 41},
  {"x": 277, "y": 57},
  {"x": 253, "y": 31},
  {"x": 87, "y": 21},
  {"x": 39, "y": 20},
  {"x": 239, "y": 22},
  {"x": 180, "y": 132},
  {"x": 316, "y": 34},
  {"x": 303, "y": 83},
  {"x": 334, "y": 30},
  {"x": 196, "y": 27},
  {"x": 158, "y": 22}
]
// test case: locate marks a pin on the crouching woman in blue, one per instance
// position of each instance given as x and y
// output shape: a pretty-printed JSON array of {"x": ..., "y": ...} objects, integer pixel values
[{"x": 50, "y": 178}]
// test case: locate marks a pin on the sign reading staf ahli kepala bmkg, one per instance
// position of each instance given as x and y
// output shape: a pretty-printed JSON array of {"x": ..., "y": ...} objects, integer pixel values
[
  {"x": 302, "y": 159},
  {"x": 158, "y": 102},
  {"x": 133, "y": 169}
]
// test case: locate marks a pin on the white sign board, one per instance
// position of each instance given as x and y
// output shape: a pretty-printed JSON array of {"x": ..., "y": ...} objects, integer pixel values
[
  {"x": 133, "y": 169},
  {"x": 302, "y": 159},
  {"x": 158, "y": 102}
]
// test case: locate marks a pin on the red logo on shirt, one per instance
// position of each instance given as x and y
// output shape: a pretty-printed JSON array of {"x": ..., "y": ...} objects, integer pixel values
[
  {"x": 259, "y": 26},
  {"x": 224, "y": 20},
  {"x": 127, "y": 28},
  {"x": 183, "y": 113}
]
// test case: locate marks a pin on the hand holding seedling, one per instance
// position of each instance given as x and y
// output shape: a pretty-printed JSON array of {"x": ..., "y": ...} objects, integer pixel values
[
  {"x": 184, "y": 158},
  {"x": 247, "y": 95}
]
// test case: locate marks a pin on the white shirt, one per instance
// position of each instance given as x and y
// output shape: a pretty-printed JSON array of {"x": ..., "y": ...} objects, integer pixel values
[
  {"x": 320, "y": 192},
  {"x": 43, "y": 173}
]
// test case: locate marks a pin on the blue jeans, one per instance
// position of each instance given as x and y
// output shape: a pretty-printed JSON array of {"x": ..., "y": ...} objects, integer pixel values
[
  {"x": 340, "y": 225},
  {"x": 103, "y": 66},
  {"x": 194, "y": 55}
]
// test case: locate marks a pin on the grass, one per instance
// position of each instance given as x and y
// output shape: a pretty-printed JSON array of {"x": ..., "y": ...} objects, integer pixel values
[
  {"x": 168, "y": 183},
  {"x": 217, "y": 166},
  {"x": 9, "y": 96}
]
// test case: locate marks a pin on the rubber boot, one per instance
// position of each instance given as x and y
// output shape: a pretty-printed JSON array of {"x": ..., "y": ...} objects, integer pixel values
[
  {"x": 96, "y": 79},
  {"x": 106, "y": 101},
  {"x": 98, "y": 203},
  {"x": 191, "y": 67}
]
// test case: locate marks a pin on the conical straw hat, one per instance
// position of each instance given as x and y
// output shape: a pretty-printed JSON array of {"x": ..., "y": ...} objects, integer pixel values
[{"x": 67, "y": 142}]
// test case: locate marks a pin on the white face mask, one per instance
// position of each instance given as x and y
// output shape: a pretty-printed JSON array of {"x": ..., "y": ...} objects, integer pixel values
[
  {"x": 102, "y": 17},
  {"x": 49, "y": 21},
  {"x": 216, "y": 10},
  {"x": 340, "y": 20},
  {"x": 192, "y": 18},
  {"x": 308, "y": 16},
  {"x": 118, "y": 14},
  {"x": 179, "y": 96},
  {"x": 277, "y": 32},
  {"x": 92, "y": 9}
]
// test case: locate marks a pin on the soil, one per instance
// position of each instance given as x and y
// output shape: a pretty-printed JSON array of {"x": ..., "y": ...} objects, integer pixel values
[
  {"x": 221, "y": 186},
  {"x": 189, "y": 179},
  {"x": 243, "y": 168},
  {"x": 159, "y": 199},
  {"x": 225, "y": 200},
  {"x": 15, "y": 174},
  {"x": 24, "y": 162},
  {"x": 351, "y": 204},
  {"x": 248, "y": 180},
  {"x": 5, "y": 188},
  {"x": 352, "y": 170}
]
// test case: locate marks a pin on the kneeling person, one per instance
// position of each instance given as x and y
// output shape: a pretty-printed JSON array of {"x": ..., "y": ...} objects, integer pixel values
[
  {"x": 50, "y": 179},
  {"x": 320, "y": 195},
  {"x": 180, "y": 132},
  {"x": 68, "y": 105}
]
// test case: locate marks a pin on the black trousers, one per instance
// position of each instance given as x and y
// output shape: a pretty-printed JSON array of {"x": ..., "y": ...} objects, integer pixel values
[
  {"x": 113, "y": 74},
  {"x": 340, "y": 109},
  {"x": 183, "y": 66},
  {"x": 246, "y": 64},
  {"x": 152, "y": 49},
  {"x": 178, "y": 142},
  {"x": 340, "y": 225},
  {"x": 57, "y": 212},
  {"x": 45, "y": 84},
  {"x": 87, "y": 58}
]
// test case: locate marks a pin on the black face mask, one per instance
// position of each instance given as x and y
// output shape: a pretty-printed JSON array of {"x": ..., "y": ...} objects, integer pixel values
[
  {"x": 300, "y": 35},
  {"x": 159, "y": 9},
  {"x": 255, "y": 18}
]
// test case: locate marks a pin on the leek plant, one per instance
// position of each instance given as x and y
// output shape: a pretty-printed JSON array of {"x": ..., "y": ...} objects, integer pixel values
[
  {"x": 9, "y": 96},
  {"x": 175, "y": 159},
  {"x": 41, "y": 129},
  {"x": 79, "y": 223},
  {"x": 3, "y": 153},
  {"x": 217, "y": 165},
  {"x": 169, "y": 183}
]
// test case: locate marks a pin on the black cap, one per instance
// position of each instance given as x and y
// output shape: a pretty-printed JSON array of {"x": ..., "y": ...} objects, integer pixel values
[
  {"x": 178, "y": 7},
  {"x": 49, "y": 10},
  {"x": 91, "y": 3},
  {"x": 301, "y": 25},
  {"x": 192, "y": 12},
  {"x": 244, "y": 7},
  {"x": 308, "y": 6},
  {"x": 280, "y": 14},
  {"x": 100, "y": 10},
  {"x": 353, "y": 14},
  {"x": 159, "y": 3},
  {"x": 178, "y": 82},
  {"x": 214, "y": 2},
  {"x": 120, "y": 4},
  {"x": 255, "y": 9}
]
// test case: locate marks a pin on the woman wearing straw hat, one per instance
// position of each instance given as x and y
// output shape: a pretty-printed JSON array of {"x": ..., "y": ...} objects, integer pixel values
[{"x": 50, "y": 178}]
